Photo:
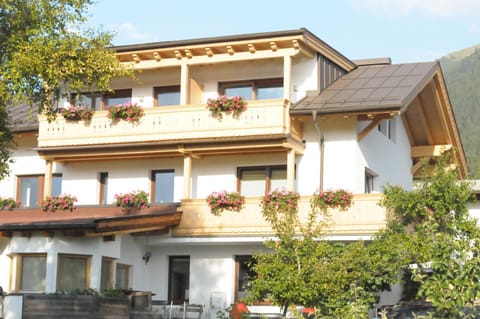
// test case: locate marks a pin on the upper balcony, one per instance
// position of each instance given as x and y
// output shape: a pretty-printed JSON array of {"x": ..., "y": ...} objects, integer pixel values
[{"x": 171, "y": 127}]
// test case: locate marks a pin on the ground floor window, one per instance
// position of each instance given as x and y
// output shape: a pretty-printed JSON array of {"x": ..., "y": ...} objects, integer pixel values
[
  {"x": 178, "y": 279},
  {"x": 106, "y": 278},
  {"x": 243, "y": 273},
  {"x": 122, "y": 276},
  {"x": 31, "y": 272},
  {"x": 73, "y": 272}
]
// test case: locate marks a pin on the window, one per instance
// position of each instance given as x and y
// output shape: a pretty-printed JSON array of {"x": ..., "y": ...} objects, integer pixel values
[
  {"x": 387, "y": 128},
  {"x": 122, "y": 276},
  {"x": 73, "y": 272},
  {"x": 162, "y": 186},
  {"x": 56, "y": 184},
  {"x": 369, "y": 181},
  {"x": 30, "y": 189},
  {"x": 243, "y": 273},
  {"x": 103, "y": 188},
  {"x": 178, "y": 279},
  {"x": 254, "y": 89},
  {"x": 31, "y": 272},
  {"x": 106, "y": 278},
  {"x": 258, "y": 181},
  {"x": 99, "y": 101},
  {"x": 166, "y": 95}
]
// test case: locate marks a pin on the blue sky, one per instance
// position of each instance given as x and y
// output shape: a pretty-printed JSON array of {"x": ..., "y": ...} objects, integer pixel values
[{"x": 405, "y": 30}]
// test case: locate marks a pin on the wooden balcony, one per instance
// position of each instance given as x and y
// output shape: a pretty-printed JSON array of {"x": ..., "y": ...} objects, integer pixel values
[
  {"x": 172, "y": 125},
  {"x": 364, "y": 218}
]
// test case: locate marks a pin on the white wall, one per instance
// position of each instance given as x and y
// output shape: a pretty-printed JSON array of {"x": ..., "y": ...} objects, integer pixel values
[
  {"x": 390, "y": 159},
  {"x": 304, "y": 77}
]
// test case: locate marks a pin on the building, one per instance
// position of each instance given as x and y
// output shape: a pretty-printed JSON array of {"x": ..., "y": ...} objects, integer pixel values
[{"x": 315, "y": 120}]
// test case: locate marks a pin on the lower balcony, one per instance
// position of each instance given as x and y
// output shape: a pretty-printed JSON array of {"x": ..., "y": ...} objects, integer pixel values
[{"x": 363, "y": 219}]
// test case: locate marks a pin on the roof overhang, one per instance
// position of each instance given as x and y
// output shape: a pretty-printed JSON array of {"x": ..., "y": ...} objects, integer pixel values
[
  {"x": 245, "y": 47},
  {"x": 90, "y": 221}
]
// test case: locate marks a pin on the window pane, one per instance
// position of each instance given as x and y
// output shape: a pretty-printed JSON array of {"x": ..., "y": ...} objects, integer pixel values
[
  {"x": 164, "y": 183},
  {"x": 29, "y": 191},
  {"x": 103, "y": 187},
  {"x": 278, "y": 180},
  {"x": 121, "y": 277},
  {"x": 84, "y": 100},
  {"x": 72, "y": 273},
  {"x": 244, "y": 91},
  {"x": 179, "y": 279},
  {"x": 252, "y": 182},
  {"x": 98, "y": 102},
  {"x": 34, "y": 270},
  {"x": 168, "y": 98},
  {"x": 56, "y": 185},
  {"x": 244, "y": 275},
  {"x": 106, "y": 275},
  {"x": 269, "y": 93},
  {"x": 112, "y": 100}
]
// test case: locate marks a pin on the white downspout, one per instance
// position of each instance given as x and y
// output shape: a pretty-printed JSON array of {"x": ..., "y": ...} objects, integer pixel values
[{"x": 322, "y": 147}]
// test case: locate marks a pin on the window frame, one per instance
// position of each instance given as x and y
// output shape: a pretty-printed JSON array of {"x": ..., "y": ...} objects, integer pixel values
[
  {"x": 127, "y": 269},
  {"x": 165, "y": 89},
  {"x": 268, "y": 175},
  {"x": 254, "y": 83},
  {"x": 40, "y": 185},
  {"x": 111, "y": 269},
  {"x": 124, "y": 93},
  {"x": 19, "y": 260},
  {"x": 240, "y": 259},
  {"x": 87, "y": 258},
  {"x": 171, "y": 260},
  {"x": 153, "y": 184},
  {"x": 102, "y": 188},
  {"x": 369, "y": 182}
]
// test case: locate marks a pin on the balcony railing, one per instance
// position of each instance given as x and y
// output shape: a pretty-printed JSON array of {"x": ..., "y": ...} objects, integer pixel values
[
  {"x": 364, "y": 219},
  {"x": 174, "y": 124}
]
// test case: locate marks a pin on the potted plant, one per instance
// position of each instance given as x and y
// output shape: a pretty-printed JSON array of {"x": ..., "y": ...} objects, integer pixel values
[
  {"x": 339, "y": 198},
  {"x": 135, "y": 199},
  {"x": 128, "y": 112},
  {"x": 61, "y": 202},
  {"x": 281, "y": 200},
  {"x": 228, "y": 105},
  {"x": 8, "y": 203},
  {"x": 220, "y": 201},
  {"x": 77, "y": 113}
]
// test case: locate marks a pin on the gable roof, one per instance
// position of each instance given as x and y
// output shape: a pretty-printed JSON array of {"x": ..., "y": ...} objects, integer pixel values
[
  {"x": 370, "y": 88},
  {"x": 23, "y": 118},
  {"x": 416, "y": 91}
]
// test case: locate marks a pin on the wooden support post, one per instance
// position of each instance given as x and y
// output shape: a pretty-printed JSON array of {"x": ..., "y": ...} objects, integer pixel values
[
  {"x": 291, "y": 170},
  {"x": 187, "y": 176},
  {"x": 47, "y": 182},
  {"x": 184, "y": 84}
]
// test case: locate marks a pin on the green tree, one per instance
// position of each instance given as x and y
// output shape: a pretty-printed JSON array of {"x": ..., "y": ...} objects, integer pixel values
[
  {"x": 440, "y": 240},
  {"x": 44, "y": 49},
  {"x": 340, "y": 280}
]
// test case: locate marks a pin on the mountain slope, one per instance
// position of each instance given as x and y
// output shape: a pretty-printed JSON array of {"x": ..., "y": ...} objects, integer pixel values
[{"x": 462, "y": 75}]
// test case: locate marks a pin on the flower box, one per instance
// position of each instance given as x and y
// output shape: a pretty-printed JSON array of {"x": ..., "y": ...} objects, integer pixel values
[
  {"x": 220, "y": 201},
  {"x": 77, "y": 113},
  {"x": 339, "y": 198},
  {"x": 226, "y": 105},
  {"x": 8, "y": 203},
  {"x": 135, "y": 199},
  {"x": 128, "y": 112},
  {"x": 61, "y": 202}
]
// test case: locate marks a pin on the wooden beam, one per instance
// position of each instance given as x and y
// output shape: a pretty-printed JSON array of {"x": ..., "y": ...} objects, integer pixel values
[
  {"x": 251, "y": 48},
  {"x": 25, "y": 233},
  {"x": 273, "y": 46},
  {"x": 429, "y": 150},
  {"x": 49, "y": 233},
  {"x": 136, "y": 58},
  {"x": 295, "y": 44},
  {"x": 5, "y": 234},
  {"x": 416, "y": 167},
  {"x": 157, "y": 56},
  {"x": 209, "y": 52},
  {"x": 188, "y": 53},
  {"x": 370, "y": 126},
  {"x": 230, "y": 50},
  {"x": 178, "y": 55}
]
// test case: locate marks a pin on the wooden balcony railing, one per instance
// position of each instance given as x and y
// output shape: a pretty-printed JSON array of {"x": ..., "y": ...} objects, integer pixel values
[
  {"x": 364, "y": 219},
  {"x": 175, "y": 124}
]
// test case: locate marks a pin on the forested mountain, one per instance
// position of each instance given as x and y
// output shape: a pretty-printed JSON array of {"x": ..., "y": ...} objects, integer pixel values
[{"x": 462, "y": 74}]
